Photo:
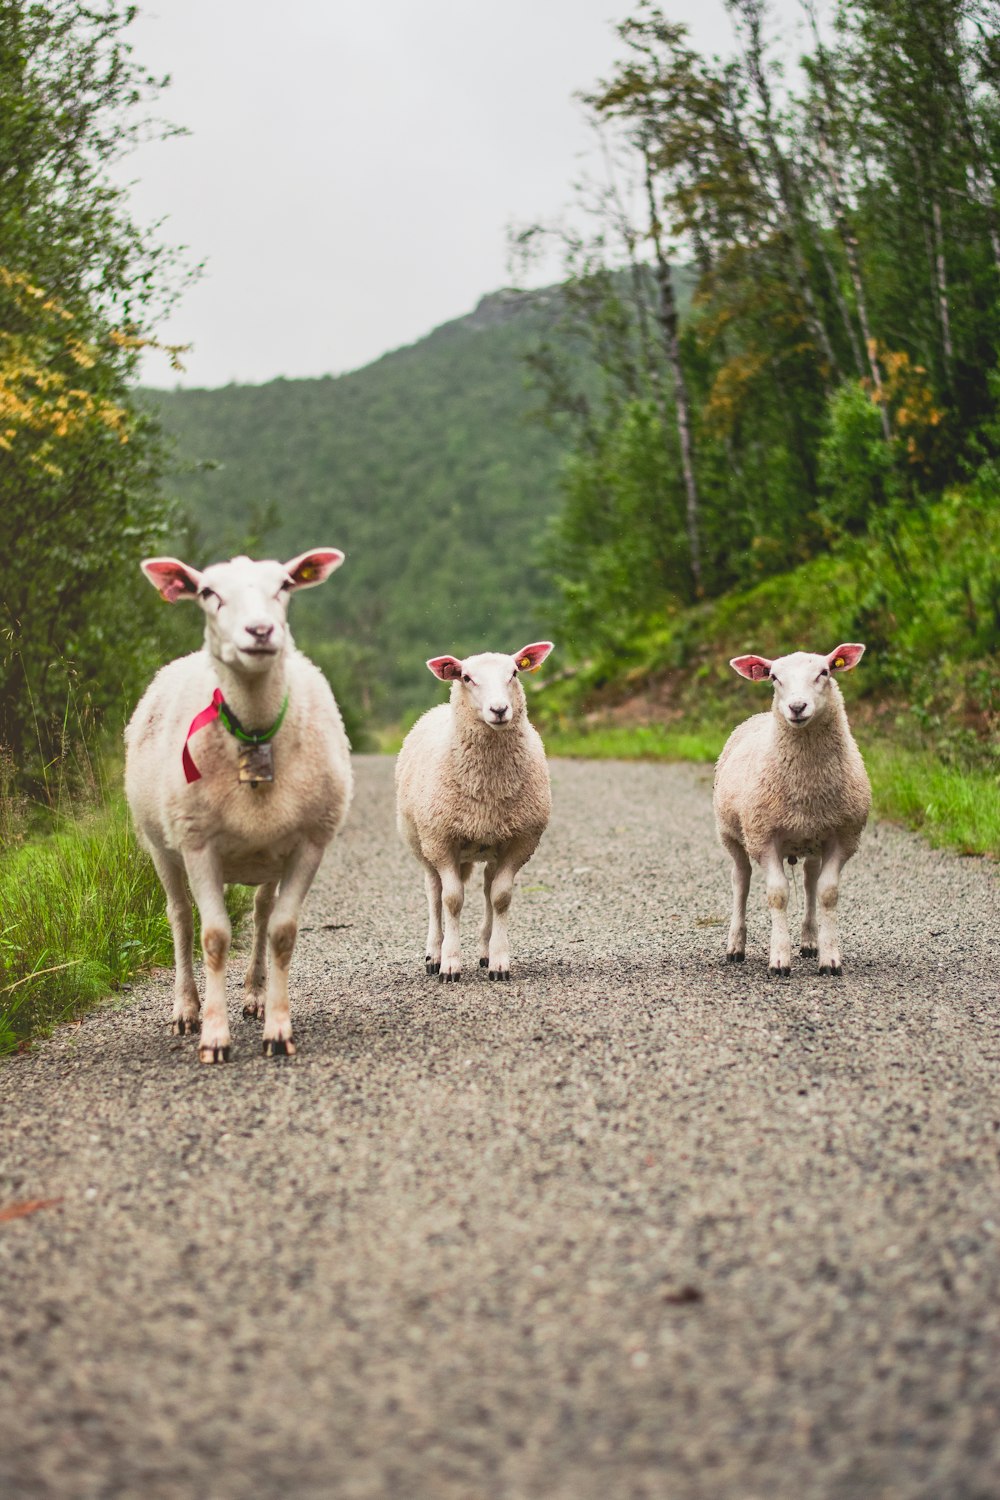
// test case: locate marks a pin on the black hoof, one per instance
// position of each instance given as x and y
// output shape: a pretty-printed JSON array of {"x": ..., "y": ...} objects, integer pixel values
[
  {"x": 276, "y": 1047},
  {"x": 781, "y": 972},
  {"x": 735, "y": 958},
  {"x": 830, "y": 969},
  {"x": 432, "y": 967},
  {"x": 808, "y": 952},
  {"x": 213, "y": 1054},
  {"x": 501, "y": 974},
  {"x": 449, "y": 978},
  {"x": 185, "y": 1028},
  {"x": 483, "y": 963}
]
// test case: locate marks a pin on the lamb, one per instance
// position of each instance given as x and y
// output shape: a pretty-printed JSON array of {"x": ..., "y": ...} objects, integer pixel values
[
  {"x": 791, "y": 784},
  {"x": 257, "y": 794},
  {"x": 472, "y": 786}
]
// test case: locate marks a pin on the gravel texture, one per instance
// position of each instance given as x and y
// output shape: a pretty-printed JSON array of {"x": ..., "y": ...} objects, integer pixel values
[{"x": 638, "y": 1224}]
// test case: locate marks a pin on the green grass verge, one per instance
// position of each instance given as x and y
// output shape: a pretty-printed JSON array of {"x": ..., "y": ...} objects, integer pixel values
[
  {"x": 81, "y": 912},
  {"x": 640, "y": 742},
  {"x": 953, "y": 808}
]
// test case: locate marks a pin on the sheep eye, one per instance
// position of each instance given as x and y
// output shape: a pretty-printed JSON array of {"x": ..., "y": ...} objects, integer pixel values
[
  {"x": 824, "y": 673},
  {"x": 466, "y": 677},
  {"x": 208, "y": 593}
]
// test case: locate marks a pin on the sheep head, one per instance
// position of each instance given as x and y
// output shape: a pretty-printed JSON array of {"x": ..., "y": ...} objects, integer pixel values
[
  {"x": 487, "y": 684},
  {"x": 245, "y": 603},
  {"x": 803, "y": 682}
]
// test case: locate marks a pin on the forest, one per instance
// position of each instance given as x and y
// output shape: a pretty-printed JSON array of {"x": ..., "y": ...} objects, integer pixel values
[
  {"x": 761, "y": 410},
  {"x": 812, "y": 450}
]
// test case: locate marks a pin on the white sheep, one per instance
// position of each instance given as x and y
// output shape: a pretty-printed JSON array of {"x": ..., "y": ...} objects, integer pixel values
[
  {"x": 257, "y": 794},
  {"x": 472, "y": 786},
  {"x": 790, "y": 785}
]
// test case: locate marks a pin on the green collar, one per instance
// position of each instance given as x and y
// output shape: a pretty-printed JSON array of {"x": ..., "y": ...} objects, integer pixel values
[{"x": 254, "y": 737}]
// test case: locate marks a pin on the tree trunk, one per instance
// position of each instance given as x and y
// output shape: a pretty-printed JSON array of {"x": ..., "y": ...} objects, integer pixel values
[
  {"x": 941, "y": 274},
  {"x": 750, "y": 12},
  {"x": 838, "y": 210},
  {"x": 671, "y": 343}
]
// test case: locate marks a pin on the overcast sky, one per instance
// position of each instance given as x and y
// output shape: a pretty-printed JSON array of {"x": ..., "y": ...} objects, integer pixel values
[{"x": 352, "y": 168}]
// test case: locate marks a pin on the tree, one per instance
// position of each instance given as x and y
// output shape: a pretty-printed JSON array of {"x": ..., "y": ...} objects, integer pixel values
[{"x": 80, "y": 287}]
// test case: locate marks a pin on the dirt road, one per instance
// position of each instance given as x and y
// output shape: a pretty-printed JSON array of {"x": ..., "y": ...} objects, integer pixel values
[{"x": 635, "y": 1225}]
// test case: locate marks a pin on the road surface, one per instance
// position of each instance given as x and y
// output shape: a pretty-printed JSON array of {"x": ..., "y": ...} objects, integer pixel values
[{"x": 638, "y": 1224}]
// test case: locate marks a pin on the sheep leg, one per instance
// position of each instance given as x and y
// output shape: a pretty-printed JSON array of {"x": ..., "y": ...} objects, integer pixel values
[
  {"x": 501, "y": 891},
  {"x": 486, "y": 929},
  {"x": 452, "y": 899},
  {"x": 827, "y": 892},
  {"x": 255, "y": 979},
  {"x": 205, "y": 877},
  {"x": 780, "y": 960},
  {"x": 432, "y": 881},
  {"x": 184, "y": 1021},
  {"x": 736, "y": 947},
  {"x": 282, "y": 931},
  {"x": 812, "y": 869}
]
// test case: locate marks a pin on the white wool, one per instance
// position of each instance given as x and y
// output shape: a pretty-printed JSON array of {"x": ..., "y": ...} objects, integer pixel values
[
  {"x": 216, "y": 830},
  {"x": 791, "y": 784},
  {"x": 472, "y": 786}
]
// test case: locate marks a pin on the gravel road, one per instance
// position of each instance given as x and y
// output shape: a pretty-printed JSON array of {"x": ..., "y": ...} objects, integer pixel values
[{"x": 638, "y": 1224}]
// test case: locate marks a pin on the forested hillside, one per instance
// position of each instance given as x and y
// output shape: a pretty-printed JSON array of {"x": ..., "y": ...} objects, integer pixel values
[
  {"x": 424, "y": 468},
  {"x": 814, "y": 454}
]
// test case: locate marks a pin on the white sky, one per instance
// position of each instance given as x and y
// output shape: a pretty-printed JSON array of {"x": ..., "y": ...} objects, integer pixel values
[{"x": 352, "y": 168}]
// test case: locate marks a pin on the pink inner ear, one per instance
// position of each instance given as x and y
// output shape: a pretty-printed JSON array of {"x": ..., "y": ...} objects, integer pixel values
[
  {"x": 754, "y": 668},
  {"x": 530, "y": 658},
  {"x": 313, "y": 567},
  {"x": 174, "y": 579},
  {"x": 845, "y": 657},
  {"x": 448, "y": 668}
]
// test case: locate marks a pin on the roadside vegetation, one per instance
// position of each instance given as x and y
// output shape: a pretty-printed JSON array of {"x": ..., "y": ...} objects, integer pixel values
[
  {"x": 81, "y": 290},
  {"x": 812, "y": 455},
  {"x": 81, "y": 911}
]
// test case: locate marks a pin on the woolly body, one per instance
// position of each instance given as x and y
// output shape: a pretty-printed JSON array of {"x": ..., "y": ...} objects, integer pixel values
[
  {"x": 470, "y": 791},
  {"x": 796, "y": 786},
  {"x": 217, "y": 829},
  {"x": 790, "y": 784},
  {"x": 253, "y": 829}
]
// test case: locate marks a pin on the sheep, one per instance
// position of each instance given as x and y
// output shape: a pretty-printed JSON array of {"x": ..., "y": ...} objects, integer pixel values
[
  {"x": 472, "y": 786},
  {"x": 257, "y": 794},
  {"x": 791, "y": 784}
]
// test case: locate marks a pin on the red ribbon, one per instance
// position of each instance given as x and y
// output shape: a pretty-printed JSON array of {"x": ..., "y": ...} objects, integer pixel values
[{"x": 198, "y": 722}]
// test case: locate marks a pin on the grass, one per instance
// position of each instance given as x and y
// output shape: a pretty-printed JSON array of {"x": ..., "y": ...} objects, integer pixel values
[
  {"x": 951, "y": 807},
  {"x": 81, "y": 913},
  {"x": 639, "y": 742}
]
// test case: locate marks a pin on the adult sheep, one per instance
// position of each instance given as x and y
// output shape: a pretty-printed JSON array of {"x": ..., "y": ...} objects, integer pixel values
[
  {"x": 472, "y": 786},
  {"x": 256, "y": 796},
  {"x": 790, "y": 785}
]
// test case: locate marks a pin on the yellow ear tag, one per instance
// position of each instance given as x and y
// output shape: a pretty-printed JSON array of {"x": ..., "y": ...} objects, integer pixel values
[
  {"x": 525, "y": 664},
  {"x": 306, "y": 572},
  {"x": 840, "y": 662}
]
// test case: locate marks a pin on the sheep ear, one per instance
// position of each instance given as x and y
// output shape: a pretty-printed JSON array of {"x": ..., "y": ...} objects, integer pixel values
[
  {"x": 756, "y": 668},
  {"x": 845, "y": 657},
  {"x": 448, "y": 668},
  {"x": 530, "y": 658},
  {"x": 175, "y": 580},
  {"x": 313, "y": 567}
]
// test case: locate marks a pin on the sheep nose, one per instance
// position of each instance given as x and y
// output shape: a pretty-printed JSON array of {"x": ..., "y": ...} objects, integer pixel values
[
  {"x": 499, "y": 713},
  {"x": 797, "y": 709},
  {"x": 260, "y": 633}
]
